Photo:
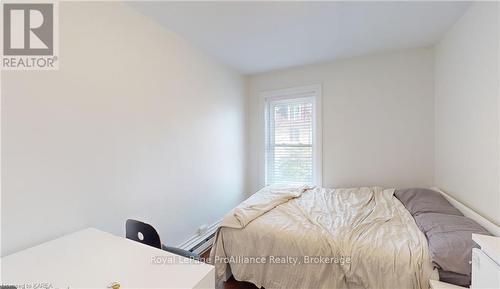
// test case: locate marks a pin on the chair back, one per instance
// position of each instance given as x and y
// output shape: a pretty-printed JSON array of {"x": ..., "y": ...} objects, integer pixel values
[{"x": 142, "y": 233}]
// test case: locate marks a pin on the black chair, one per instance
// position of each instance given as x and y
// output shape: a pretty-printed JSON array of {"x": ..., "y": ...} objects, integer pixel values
[{"x": 147, "y": 234}]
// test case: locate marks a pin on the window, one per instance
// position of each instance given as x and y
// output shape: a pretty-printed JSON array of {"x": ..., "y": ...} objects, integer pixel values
[{"x": 292, "y": 136}]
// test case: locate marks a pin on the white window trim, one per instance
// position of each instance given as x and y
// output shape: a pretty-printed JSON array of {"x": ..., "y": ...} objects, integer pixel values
[{"x": 314, "y": 91}]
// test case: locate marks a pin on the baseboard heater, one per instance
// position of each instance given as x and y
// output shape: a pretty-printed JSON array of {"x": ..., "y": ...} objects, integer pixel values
[
  {"x": 199, "y": 244},
  {"x": 204, "y": 245}
]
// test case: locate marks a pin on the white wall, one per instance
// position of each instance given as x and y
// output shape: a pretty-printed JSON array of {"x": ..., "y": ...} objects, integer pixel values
[
  {"x": 132, "y": 125},
  {"x": 378, "y": 120},
  {"x": 467, "y": 110}
]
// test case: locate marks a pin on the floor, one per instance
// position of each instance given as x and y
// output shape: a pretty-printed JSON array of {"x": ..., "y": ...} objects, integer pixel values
[{"x": 231, "y": 283}]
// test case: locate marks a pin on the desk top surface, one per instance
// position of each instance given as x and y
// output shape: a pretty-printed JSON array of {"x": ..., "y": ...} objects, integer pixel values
[{"x": 93, "y": 259}]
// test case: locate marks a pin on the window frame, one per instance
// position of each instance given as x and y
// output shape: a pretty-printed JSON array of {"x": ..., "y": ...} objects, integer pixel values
[{"x": 309, "y": 91}]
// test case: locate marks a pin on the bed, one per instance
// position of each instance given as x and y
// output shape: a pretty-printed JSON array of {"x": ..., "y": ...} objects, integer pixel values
[{"x": 301, "y": 237}]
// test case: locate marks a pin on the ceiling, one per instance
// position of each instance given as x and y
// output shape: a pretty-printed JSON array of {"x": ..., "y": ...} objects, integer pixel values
[{"x": 254, "y": 37}]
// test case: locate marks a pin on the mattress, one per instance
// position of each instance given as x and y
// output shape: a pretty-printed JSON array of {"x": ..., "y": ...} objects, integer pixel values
[{"x": 323, "y": 238}]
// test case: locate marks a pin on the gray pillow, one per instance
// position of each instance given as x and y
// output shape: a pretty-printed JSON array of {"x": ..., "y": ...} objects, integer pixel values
[
  {"x": 419, "y": 201},
  {"x": 454, "y": 278},
  {"x": 450, "y": 241}
]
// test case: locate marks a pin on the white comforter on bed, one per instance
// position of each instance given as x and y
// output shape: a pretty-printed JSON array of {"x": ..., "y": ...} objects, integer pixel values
[{"x": 323, "y": 238}]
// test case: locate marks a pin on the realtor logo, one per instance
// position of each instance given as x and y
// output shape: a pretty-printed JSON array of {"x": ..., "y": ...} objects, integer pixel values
[
  {"x": 29, "y": 36},
  {"x": 28, "y": 29}
]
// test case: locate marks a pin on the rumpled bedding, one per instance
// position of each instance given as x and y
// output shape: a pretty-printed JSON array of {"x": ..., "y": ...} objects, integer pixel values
[{"x": 302, "y": 237}]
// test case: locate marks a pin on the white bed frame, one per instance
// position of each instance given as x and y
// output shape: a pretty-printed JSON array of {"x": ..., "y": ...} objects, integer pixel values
[{"x": 468, "y": 212}]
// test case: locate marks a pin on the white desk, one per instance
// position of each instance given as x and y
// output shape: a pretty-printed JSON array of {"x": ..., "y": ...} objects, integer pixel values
[{"x": 93, "y": 259}]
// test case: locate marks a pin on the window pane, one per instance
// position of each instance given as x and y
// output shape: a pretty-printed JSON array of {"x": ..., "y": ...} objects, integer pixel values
[
  {"x": 292, "y": 165},
  {"x": 293, "y": 123},
  {"x": 289, "y": 142}
]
